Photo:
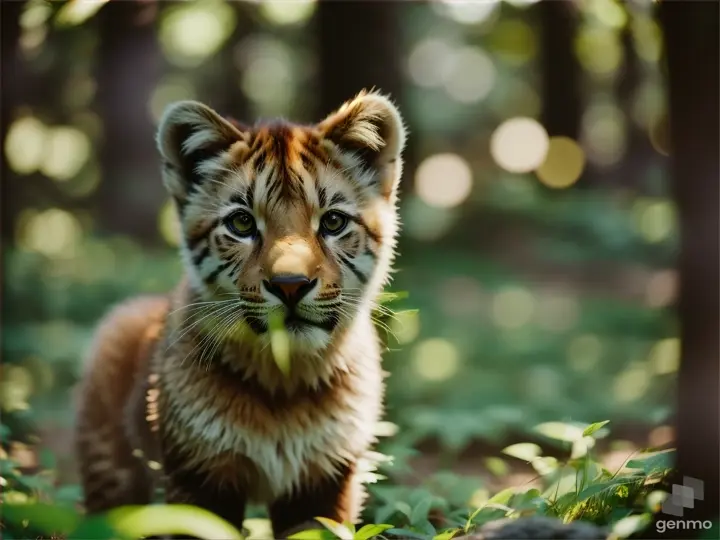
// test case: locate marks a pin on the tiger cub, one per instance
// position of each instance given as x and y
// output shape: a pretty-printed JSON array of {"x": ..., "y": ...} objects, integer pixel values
[{"x": 277, "y": 220}]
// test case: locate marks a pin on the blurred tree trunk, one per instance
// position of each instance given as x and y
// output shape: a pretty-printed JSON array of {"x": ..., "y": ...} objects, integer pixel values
[
  {"x": 691, "y": 47},
  {"x": 12, "y": 82},
  {"x": 562, "y": 107},
  {"x": 221, "y": 89},
  {"x": 128, "y": 68},
  {"x": 638, "y": 149},
  {"x": 360, "y": 47}
]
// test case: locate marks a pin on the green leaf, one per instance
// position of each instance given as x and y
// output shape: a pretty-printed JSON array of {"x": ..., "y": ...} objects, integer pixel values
[
  {"x": 502, "y": 497},
  {"x": 421, "y": 511},
  {"x": 44, "y": 518},
  {"x": 651, "y": 463},
  {"x": 446, "y": 535},
  {"x": 385, "y": 512},
  {"x": 279, "y": 341},
  {"x": 630, "y": 525},
  {"x": 387, "y": 297},
  {"x": 524, "y": 451},
  {"x": 560, "y": 431},
  {"x": 370, "y": 531},
  {"x": 313, "y": 534},
  {"x": 497, "y": 466},
  {"x": 97, "y": 528},
  {"x": 176, "y": 519},
  {"x": 593, "y": 428},
  {"x": 338, "y": 529},
  {"x": 596, "y": 489},
  {"x": 545, "y": 465},
  {"x": 654, "y": 500}
]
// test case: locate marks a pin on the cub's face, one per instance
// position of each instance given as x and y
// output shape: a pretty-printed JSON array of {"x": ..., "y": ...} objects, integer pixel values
[{"x": 285, "y": 221}]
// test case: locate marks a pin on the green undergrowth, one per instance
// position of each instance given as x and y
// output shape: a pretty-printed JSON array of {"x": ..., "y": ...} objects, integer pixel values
[{"x": 446, "y": 506}]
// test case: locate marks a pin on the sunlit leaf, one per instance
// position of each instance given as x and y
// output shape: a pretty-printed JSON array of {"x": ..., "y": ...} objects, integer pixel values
[
  {"x": 370, "y": 531},
  {"x": 338, "y": 529},
  {"x": 630, "y": 525},
  {"x": 75, "y": 12},
  {"x": 524, "y": 451},
  {"x": 143, "y": 521},
  {"x": 279, "y": 341},
  {"x": 446, "y": 535},
  {"x": 45, "y": 518},
  {"x": 313, "y": 534},
  {"x": 593, "y": 428},
  {"x": 497, "y": 466},
  {"x": 560, "y": 431}
]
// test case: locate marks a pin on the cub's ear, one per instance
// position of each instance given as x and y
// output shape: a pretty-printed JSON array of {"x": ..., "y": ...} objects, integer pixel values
[
  {"x": 371, "y": 128},
  {"x": 189, "y": 136}
]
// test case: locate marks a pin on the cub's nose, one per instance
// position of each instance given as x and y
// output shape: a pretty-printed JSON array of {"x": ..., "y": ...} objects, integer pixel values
[{"x": 290, "y": 288}]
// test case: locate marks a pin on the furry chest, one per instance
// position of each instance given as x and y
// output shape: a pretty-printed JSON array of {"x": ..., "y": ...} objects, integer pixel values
[{"x": 268, "y": 449}]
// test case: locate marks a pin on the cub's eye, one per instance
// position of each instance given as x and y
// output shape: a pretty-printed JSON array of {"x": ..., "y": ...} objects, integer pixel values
[
  {"x": 241, "y": 224},
  {"x": 333, "y": 223}
]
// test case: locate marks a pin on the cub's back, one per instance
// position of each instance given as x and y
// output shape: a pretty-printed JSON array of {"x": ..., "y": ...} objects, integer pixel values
[{"x": 118, "y": 357}]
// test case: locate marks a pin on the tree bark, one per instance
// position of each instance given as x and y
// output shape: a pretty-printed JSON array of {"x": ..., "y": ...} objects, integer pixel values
[
  {"x": 692, "y": 33},
  {"x": 359, "y": 44},
  {"x": 12, "y": 83},
  {"x": 562, "y": 106},
  {"x": 128, "y": 68}
]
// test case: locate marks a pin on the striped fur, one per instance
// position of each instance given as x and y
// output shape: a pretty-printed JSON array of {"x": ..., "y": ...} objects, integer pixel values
[{"x": 231, "y": 425}]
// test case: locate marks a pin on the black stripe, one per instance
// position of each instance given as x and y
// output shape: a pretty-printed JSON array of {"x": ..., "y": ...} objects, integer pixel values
[
  {"x": 193, "y": 241},
  {"x": 215, "y": 273},
  {"x": 322, "y": 196},
  {"x": 361, "y": 277},
  {"x": 361, "y": 222},
  {"x": 239, "y": 198},
  {"x": 200, "y": 257},
  {"x": 250, "y": 196},
  {"x": 338, "y": 198}
]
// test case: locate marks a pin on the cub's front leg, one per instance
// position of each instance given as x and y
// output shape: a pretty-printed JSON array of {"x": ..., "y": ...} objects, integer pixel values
[
  {"x": 337, "y": 497},
  {"x": 187, "y": 485}
]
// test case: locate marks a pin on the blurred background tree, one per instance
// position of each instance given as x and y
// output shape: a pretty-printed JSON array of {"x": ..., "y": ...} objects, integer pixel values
[{"x": 539, "y": 235}]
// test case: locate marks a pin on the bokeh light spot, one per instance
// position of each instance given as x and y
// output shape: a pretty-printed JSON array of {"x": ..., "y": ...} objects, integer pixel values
[
  {"x": 660, "y": 135},
  {"x": 425, "y": 222},
  {"x": 655, "y": 219},
  {"x": 470, "y": 76},
  {"x": 67, "y": 150},
  {"x": 282, "y": 12},
  {"x": 557, "y": 311},
  {"x": 592, "y": 39},
  {"x": 25, "y": 144},
  {"x": 436, "y": 359},
  {"x": 468, "y": 11},
  {"x": 428, "y": 62},
  {"x": 631, "y": 384},
  {"x": 191, "y": 32},
  {"x": 53, "y": 232},
  {"x": 665, "y": 356},
  {"x": 519, "y": 145},
  {"x": 168, "y": 224},
  {"x": 661, "y": 289},
  {"x": 563, "y": 165},
  {"x": 514, "y": 41},
  {"x": 584, "y": 352},
  {"x": 443, "y": 180},
  {"x": 603, "y": 127},
  {"x": 513, "y": 307},
  {"x": 405, "y": 326},
  {"x": 267, "y": 76},
  {"x": 169, "y": 90}
]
